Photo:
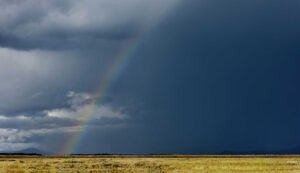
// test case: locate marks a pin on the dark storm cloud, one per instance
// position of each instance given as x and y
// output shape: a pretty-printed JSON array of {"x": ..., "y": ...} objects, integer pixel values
[
  {"x": 213, "y": 76},
  {"x": 54, "y": 24}
]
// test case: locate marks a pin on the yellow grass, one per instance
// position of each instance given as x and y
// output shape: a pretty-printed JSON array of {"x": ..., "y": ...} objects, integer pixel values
[{"x": 150, "y": 164}]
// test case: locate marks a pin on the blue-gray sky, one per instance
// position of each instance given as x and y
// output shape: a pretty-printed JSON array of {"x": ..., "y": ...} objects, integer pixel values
[{"x": 207, "y": 76}]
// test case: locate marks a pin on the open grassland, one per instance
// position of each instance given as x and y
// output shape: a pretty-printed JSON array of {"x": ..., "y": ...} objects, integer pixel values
[{"x": 149, "y": 164}]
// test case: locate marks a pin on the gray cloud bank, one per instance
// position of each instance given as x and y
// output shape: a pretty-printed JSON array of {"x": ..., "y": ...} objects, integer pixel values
[{"x": 17, "y": 131}]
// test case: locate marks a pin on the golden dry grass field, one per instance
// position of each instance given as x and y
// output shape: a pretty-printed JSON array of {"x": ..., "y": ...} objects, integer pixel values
[{"x": 149, "y": 164}]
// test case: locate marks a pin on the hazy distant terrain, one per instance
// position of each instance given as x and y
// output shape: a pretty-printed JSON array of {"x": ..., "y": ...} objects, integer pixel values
[{"x": 147, "y": 164}]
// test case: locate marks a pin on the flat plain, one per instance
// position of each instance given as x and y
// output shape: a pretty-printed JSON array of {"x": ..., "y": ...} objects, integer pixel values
[{"x": 150, "y": 164}]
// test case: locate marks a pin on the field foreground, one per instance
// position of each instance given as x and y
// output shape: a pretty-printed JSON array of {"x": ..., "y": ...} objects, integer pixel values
[{"x": 149, "y": 164}]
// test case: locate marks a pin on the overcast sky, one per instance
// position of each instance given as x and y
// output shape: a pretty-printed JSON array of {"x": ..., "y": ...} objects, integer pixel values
[{"x": 201, "y": 76}]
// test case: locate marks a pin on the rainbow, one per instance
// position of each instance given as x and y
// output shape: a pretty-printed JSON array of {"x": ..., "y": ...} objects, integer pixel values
[{"x": 113, "y": 73}]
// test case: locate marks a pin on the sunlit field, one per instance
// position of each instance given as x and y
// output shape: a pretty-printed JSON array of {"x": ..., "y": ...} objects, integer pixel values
[{"x": 149, "y": 164}]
